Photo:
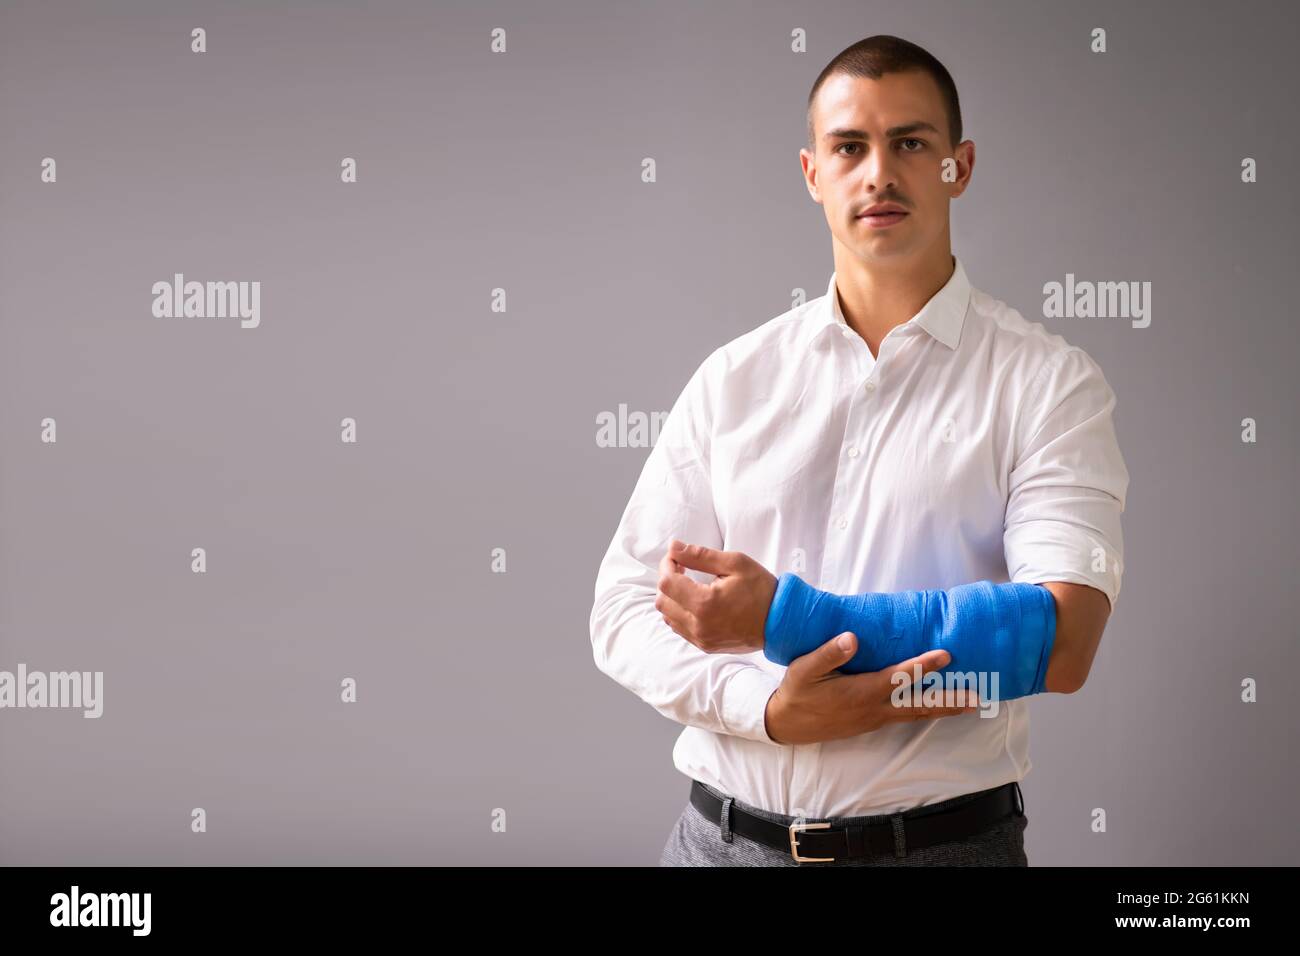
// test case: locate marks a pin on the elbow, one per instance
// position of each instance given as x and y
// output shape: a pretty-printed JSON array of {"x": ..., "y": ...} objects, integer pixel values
[
  {"x": 599, "y": 642},
  {"x": 604, "y": 635},
  {"x": 1081, "y": 614},
  {"x": 1065, "y": 676},
  {"x": 1074, "y": 682},
  {"x": 600, "y": 657},
  {"x": 1075, "y": 663}
]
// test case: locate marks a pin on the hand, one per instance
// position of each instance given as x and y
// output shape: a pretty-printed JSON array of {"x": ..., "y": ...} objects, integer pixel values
[
  {"x": 816, "y": 703},
  {"x": 727, "y": 614}
]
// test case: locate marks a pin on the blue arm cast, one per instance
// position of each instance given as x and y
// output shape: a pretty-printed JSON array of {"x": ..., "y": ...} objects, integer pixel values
[{"x": 986, "y": 627}]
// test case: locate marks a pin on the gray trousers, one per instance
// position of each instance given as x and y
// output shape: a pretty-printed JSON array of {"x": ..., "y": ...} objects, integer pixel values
[{"x": 697, "y": 841}]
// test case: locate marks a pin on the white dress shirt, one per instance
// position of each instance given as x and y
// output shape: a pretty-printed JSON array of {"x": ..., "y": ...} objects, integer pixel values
[{"x": 976, "y": 446}]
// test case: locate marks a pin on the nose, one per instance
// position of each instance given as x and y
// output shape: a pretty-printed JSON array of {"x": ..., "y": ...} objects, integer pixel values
[{"x": 879, "y": 171}]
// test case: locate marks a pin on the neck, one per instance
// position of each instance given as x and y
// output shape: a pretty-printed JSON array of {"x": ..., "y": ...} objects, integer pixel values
[{"x": 878, "y": 296}]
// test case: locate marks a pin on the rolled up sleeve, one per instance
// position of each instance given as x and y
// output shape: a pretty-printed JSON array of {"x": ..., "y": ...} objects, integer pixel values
[
  {"x": 1067, "y": 488},
  {"x": 631, "y": 643}
]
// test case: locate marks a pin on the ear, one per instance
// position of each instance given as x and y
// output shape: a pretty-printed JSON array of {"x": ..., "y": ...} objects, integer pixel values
[
  {"x": 965, "y": 156},
  {"x": 808, "y": 163}
]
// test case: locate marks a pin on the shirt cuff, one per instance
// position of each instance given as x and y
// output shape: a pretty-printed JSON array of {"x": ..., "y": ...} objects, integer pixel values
[{"x": 744, "y": 703}]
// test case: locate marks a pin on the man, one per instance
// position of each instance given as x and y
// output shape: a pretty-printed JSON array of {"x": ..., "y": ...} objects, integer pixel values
[{"x": 902, "y": 435}]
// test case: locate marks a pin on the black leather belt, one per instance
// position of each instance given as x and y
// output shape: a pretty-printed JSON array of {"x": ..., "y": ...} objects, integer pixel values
[{"x": 814, "y": 842}]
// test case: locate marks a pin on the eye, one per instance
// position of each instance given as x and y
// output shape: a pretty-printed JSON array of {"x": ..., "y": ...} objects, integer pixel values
[
  {"x": 842, "y": 145},
  {"x": 912, "y": 140}
]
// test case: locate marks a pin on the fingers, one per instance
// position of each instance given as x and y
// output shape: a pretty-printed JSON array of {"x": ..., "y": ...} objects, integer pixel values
[
  {"x": 686, "y": 592},
  {"x": 926, "y": 713},
  {"x": 675, "y": 616},
  {"x": 667, "y": 569},
  {"x": 836, "y": 652},
  {"x": 955, "y": 701},
  {"x": 697, "y": 557},
  {"x": 917, "y": 667},
  {"x": 668, "y": 566}
]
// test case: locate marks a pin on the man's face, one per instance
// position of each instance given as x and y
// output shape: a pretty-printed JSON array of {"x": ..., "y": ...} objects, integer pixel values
[{"x": 870, "y": 149}]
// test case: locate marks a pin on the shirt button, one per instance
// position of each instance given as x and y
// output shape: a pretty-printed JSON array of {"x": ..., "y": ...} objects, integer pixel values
[
  {"x": 844, "y": 523},
  {"x": 853, "y": 451},
  {"x": 870, "y": 386},
  {"x": 847, "y": 333}
]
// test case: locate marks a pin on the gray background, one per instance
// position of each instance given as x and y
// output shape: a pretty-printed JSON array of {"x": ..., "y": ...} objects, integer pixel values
[{"x": 477, "y": 430}]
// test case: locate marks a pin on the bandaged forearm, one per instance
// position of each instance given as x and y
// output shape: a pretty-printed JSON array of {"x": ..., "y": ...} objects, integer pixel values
[{"x": 1004, "y": 628}]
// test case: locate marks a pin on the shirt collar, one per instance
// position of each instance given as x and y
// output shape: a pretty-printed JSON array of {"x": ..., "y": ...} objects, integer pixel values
[{"x": 942, "y": 317}]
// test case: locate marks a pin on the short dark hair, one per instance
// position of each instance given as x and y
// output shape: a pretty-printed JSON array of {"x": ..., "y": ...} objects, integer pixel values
[{"x": 881, "y": 54}]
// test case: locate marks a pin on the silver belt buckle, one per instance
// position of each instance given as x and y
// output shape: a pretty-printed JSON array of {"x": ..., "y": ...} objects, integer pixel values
[{"x": 794, "y": 844}]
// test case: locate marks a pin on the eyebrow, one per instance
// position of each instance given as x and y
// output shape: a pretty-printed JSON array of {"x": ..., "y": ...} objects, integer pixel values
[{"x": 889, "y": 133}]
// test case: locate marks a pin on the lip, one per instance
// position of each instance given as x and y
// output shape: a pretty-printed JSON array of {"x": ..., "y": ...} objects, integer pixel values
[{"x": 883, "y": 221}]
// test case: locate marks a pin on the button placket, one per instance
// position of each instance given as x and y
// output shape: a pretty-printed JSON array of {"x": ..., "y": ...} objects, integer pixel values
[
  {"x": 837, "y": 516},
  {"x": 805, "y": 771},
  {"x": 840, "y": 513}
]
